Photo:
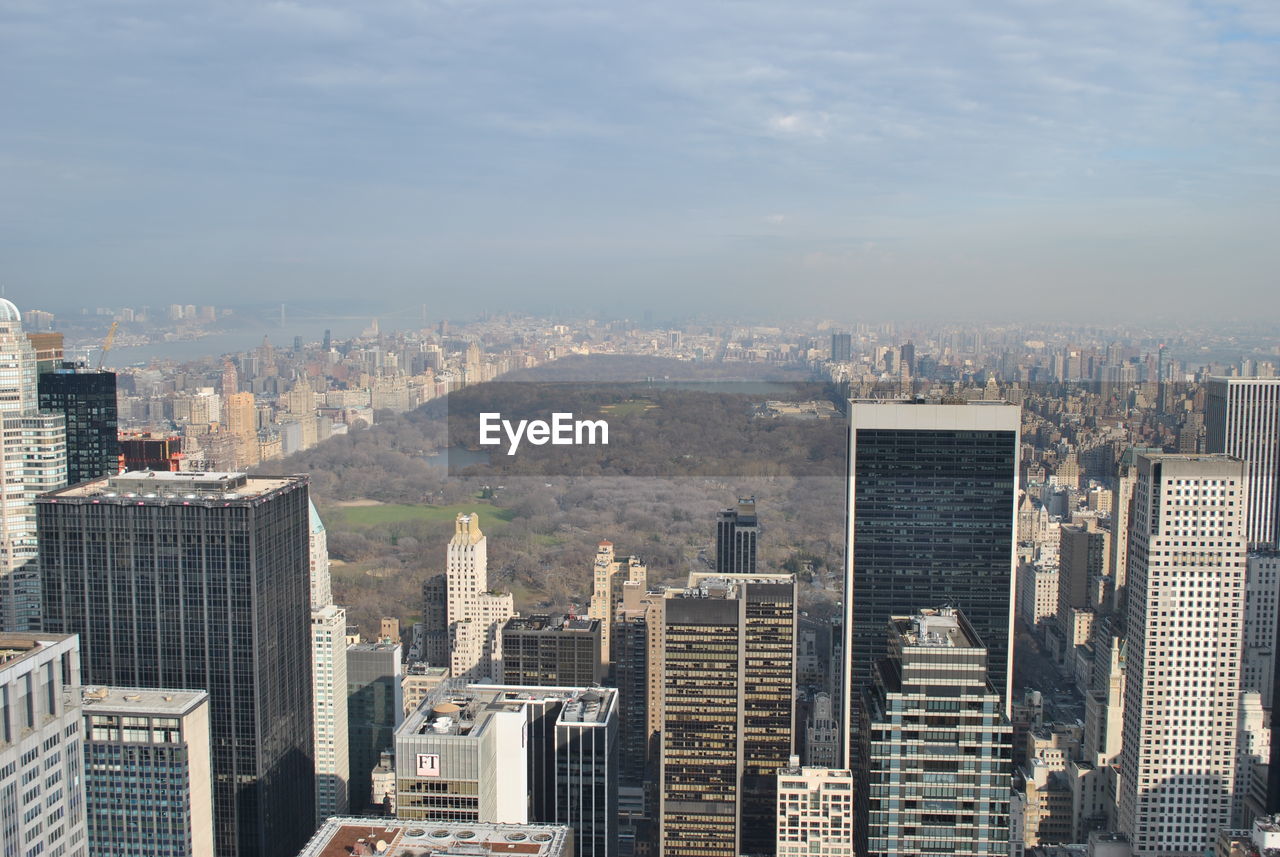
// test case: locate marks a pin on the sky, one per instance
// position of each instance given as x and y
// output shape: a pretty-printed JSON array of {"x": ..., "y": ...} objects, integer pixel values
[{"x": 1087, "y": 160}]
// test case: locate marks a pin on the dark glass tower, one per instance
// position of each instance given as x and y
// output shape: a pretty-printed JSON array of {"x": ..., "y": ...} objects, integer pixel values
[
  {"x": 88, "y": 401},
  {"x": 200, "y": 581},
  {"x": 932, "y": 497},
  {"x": 737, "y": 531}
]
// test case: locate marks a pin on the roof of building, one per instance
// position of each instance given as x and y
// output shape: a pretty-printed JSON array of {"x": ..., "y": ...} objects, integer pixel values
[
  {"x": 552, "y": 623},
  {"x": 349, "y": 837},
  {"x": 449, "y": 710},
  {"x": 9, "y": 312},
  {"x": 164, "y": 486},
  {"x": 135, "y": 700},
  {"x": 15, "y": 647}
]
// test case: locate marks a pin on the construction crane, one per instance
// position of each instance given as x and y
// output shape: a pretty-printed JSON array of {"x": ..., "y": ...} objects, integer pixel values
[{"x": 106, "y": 344}]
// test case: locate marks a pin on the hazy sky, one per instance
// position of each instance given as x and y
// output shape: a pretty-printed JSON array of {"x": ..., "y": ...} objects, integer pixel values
[{"x": 890, "y": 158}]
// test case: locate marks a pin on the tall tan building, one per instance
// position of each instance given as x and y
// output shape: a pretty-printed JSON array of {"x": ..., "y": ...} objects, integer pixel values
[
  {"x": 609, "y": 574},
  {"x": 240, "y": 416},
  {"x": 475, "y": 614}
]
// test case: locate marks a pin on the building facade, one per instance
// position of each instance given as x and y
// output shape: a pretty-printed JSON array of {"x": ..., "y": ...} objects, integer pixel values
[
  {"x": 609, "y": 574},
  {"x": 727, "y": 712},
  {"x": 936, "y": 753},
  {"x": 375, "y": 707},
  {"x": 86, "y": 399},
  {"x": 34, "y": 460},
  {"x": 200, "y": 580},
  {"x": 554, "y": 651},
  {"x": 815, "y": 812},
  {"x": 147, "y": 771},
  {"x": 737, "y": 538},
  {"x": 931, "y": 519},
  {"x": 1242, "y": 419},
  {"x": 475, "y": 613},
  {"x": 41, "y": 755},
  {"x": 1187, "y": 554}
]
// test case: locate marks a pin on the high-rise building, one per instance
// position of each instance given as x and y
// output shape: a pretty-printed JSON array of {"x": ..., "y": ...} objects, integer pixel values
[
  {"x": 1182, "y": 684},
  {"x": 42, "y": 801},
  {"x": 737, "y": 534},
  {"x": 87, "y": 401},
  {"x": 815, "y": 811},
  {"x": 514, "y": 755},
  {"x": 146, "y": 771},
  {"x": 551, "y": 651},
  {"x": 201, "y": 581},
  {"x": 609, "y": 574},
  {"x": 34, "y": 459},
  {"x": 936, "y": 758},
  {"x": 841, "y": 347},
  {"x": 1242, "y": 419},
  {"x": 328, "y": 681},
  {"x": 1261, "y": 612},
  {"x": 375, "y": 707},
  {"x": 931, "y": 519},
  {"x": 727, "y": 712},
  {"x": 474, "y": 612}
]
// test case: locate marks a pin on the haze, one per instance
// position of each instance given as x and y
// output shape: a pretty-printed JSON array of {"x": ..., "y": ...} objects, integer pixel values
[{"x": 984, "y": 159}]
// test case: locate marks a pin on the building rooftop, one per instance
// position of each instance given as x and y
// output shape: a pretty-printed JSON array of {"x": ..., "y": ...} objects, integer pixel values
[
  {"x": 942, "y": 627},
  {"x": 15, "y": 647},
  {"x": 134, "y": 700},
  {"x": 352, "y": 837},
  {"x": 546, "y": 622},
  {"x": 463, "y": 711},
  {"x": 164, "y": 486}
]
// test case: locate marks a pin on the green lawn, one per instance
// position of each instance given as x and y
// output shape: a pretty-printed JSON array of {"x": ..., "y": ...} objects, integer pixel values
[{"x": 491, "y": 517}]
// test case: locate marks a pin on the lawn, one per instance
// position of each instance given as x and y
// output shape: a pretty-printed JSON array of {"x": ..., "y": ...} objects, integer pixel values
[
  {"x": 491, "y": 517},
  {"x": 627, "y": 408}
]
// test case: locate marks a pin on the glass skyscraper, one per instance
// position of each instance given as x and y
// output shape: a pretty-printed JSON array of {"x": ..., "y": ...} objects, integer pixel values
[
  {"x": 88, "y": 401},
  {"x": 200, "y": 580},
  {"x": 932, "y": 499}
]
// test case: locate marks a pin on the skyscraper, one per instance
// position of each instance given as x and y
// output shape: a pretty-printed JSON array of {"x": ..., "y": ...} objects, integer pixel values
[
  {"x": 474, "y": 612},
  {"x": 1242, "y": 418},
  {"x": 551, "y": 651},
  {"x": 936, "y": 759},
  {"x": 737, "y": 532},
  {"x": 1182, "y": 687},
  {"x": 727, "y": 712},
  {"x": 41, "y": 759},
  {"x": 841, "y": 347},
  {"x": 375, "y": 707},
  {"x": 931, "y": 519},
  {"x": 328, "y": 681},
  {"x": 34, "y": 456},
  {"x": 609, "y": 574},
  {"x": 87, "y": 401},
  {"x": 147, "y": 776},
  {"x": 200, "y": 580}
]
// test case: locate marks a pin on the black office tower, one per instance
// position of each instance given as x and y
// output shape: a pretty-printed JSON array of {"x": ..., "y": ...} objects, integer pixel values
[
  {"x": 87, "y": 399},
  {"x": 737, "y": 532},
  {"x": 841, "y": 347},
  {"x": 200, "y": 580},
  {"x": 932, "y": 494}
]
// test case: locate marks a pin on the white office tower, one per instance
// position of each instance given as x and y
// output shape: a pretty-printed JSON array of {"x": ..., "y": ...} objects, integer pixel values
[
  {"x": 1242, "y": 418},
  {"x": 42, "y": 799},
  {"x": 815, "y": 811},
  {"x": 1262, "y": 598},
  {"x": 1182, "y": 687},
  {"x": 328, "y": 682},
  {"x": 475, "y": 614},
  {"x": 1252, "y": 757},
  {"x": 33, "y": 455}
]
